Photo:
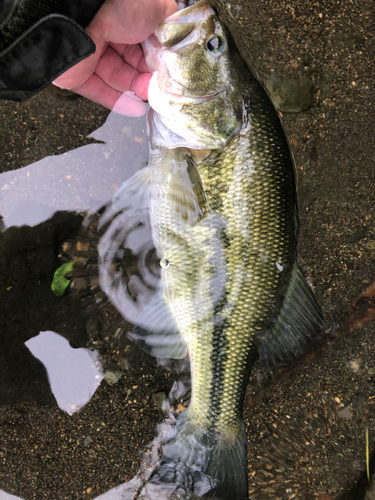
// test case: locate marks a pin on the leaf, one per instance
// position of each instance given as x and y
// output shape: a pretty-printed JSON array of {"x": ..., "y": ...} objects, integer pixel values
[{"x": 59, "y": 282}]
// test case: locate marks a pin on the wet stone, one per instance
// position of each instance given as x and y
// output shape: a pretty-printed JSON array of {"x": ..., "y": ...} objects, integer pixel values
[
  {"x": 370, "y": 245},
  {"x": 112, "y": 377},
  {"x": 328, "y": 77},
  {"x": 79, "y": 283},
  {"x": 346, "y": 413},
  {"x": 313, "y": 154},
  {"x": 358, "y": 235},
  {"x": 87, "y": 441},
  {"x": 291, "y": 95},
  {"x": 159, "y": 398},
  {"x": 125, "y": 364}
]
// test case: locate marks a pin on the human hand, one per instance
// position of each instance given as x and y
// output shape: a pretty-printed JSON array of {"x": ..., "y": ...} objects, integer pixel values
[{"x": 118, "y": 64}]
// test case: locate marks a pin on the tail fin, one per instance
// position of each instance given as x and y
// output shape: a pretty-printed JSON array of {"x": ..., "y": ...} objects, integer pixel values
[{"x": 201, "y": 463}]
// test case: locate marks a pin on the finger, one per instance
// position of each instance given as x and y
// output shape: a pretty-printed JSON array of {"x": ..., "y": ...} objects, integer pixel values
[
  {"x": 132, "y": 54},
  {"x": 129, "y": 102},
  {"x": 97, "y": 90},
  {"x": 142, "y": 66},
  {"x": 115, "y": 72},
  {"x": 140, "y": 85},
  {"x": 130, "y": 22},
  {"x": 76, "y": 76}
]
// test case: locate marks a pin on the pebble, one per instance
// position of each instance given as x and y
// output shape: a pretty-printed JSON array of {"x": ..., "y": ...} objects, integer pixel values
[
  {"x": 112, "y": 377},
  {"x": 346, "y": 413},
  {"x": 158, "y": 398},
  {"x": 87, "y": 441}
]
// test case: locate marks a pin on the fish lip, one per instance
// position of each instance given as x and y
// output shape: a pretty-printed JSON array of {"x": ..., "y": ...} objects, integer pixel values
[{"x": 195, "y": 98}]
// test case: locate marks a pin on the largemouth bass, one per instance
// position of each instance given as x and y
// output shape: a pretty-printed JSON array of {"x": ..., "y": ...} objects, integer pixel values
[{"x": 223, "y": 216}]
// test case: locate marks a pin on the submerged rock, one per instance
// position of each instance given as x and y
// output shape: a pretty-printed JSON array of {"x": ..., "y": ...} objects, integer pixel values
[{"x": 290, "y": 95}]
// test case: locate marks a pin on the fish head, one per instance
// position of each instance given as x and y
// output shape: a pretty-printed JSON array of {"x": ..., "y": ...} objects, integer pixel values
[{"x": 194, "y": 91}]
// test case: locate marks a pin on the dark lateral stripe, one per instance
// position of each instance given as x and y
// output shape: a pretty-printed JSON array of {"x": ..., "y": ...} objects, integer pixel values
[{"x": 218, "y": 362}]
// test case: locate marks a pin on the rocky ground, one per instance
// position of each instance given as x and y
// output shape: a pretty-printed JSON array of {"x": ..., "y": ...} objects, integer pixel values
[{"x": 306, "y": 424}]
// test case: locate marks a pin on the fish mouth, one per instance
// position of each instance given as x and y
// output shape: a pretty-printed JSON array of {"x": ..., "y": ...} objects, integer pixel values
[
  {"x": 170, "y": 87},
  {"x": 189, "y": 98}
]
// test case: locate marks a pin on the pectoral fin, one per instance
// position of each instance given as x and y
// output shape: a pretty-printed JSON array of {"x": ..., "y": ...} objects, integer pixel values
[{"x": 134, "y": 194}]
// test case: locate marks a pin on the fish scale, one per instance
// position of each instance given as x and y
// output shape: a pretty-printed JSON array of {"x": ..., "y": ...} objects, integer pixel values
[{"x": 248, "y": 188}]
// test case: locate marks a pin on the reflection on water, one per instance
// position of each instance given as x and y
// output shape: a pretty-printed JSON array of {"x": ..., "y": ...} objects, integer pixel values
[
  {"x": 83, "y": 179},
  {"x": 128, "y": 238},
  {"x": 129, "y": 271},
  {"x": 74, "y": 374},
  {"x": 8, "y": 496}
]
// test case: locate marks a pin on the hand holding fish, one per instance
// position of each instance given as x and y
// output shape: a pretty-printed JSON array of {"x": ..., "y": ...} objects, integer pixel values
[{"x": 118, "y": 65}]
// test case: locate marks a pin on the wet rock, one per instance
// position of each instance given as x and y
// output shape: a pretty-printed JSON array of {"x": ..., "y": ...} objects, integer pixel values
[
  {"x": 79, "y": 283},
  {"x": 346, "y": 413},
  {"x": 159, "y": 398},
  {"x": 354, "y": 365},
  {"x": 313, "y": 154},
  {"x": 370, "y": 245},
  {"x": 125, "y": 364},
  {"x": 291, "y": 95},
  {"x": 325, "y": 496},
  {"x": 87, "y": 441},
  {"x": 362, "y": 309},
  {"x": 112, "y": 377}
]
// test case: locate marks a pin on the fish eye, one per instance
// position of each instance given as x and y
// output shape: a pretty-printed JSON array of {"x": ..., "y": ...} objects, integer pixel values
[{"x": 216, "y": 44}]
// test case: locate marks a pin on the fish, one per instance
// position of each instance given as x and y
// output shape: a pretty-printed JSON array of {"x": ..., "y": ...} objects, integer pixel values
[{"x": 219, "y": 190}]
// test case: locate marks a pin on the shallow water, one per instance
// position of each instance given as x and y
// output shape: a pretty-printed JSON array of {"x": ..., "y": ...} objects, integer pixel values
[{"x": 301, "y": 444}]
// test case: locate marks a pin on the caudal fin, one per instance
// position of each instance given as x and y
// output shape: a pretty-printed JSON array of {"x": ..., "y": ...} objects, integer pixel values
[{"x": 201, "y": 463}]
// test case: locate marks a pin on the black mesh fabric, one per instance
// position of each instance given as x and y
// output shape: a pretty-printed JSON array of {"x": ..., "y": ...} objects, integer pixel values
[
  {"x": 28, "y": 12},
  {"x": 39, "y": 40},
  {"x": 6, "y": 9}
]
